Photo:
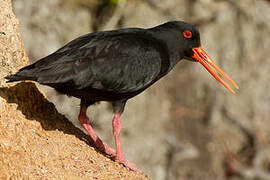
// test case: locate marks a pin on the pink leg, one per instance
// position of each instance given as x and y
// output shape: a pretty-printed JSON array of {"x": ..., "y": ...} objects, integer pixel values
[
  {"x": 119, "y": 153},
  {"x": 98, "y": 142}
]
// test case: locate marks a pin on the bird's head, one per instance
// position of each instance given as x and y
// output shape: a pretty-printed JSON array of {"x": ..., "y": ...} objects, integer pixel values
[{"x": 184, "y": 39}]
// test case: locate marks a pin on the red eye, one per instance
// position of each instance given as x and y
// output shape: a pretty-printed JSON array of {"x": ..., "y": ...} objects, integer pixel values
[{"x": 187, "y": 34}]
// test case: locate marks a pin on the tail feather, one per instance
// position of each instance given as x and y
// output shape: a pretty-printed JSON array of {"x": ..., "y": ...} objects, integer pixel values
[
  {"x": 26, "y": 73},
  {"x": 55, "y": 68},
  {"x": 16, "y": 77},
  {"x": 51, "y": 73}
]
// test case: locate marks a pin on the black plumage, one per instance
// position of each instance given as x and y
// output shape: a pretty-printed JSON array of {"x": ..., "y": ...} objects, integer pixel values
[
  {"x": 111, "y": 65},
  {"x": 115, "y": 66}
]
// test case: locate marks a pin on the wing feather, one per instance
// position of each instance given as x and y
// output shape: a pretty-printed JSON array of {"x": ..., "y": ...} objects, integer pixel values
[{"x": 118, "y": 61}]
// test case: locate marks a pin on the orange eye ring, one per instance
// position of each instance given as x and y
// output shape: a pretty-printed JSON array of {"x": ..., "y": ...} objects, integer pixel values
[{"x": 187, "y": 34}]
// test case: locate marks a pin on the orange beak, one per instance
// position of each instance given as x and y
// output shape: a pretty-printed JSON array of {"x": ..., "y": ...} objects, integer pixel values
[{"x": 201, "y": 56}]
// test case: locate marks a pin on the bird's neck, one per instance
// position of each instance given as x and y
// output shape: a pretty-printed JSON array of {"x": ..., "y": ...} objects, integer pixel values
[{"x": 169, "y": 43}]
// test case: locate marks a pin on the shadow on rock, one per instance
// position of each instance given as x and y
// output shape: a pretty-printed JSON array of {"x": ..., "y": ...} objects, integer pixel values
[{"x": 35, "y": 106}]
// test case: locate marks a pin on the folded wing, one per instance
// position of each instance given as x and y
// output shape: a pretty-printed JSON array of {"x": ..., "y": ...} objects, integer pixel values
[{"x": 113, "y": 61}]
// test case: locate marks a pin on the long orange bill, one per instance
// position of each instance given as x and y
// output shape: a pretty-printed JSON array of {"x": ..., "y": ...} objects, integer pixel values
[{"x": 201, "y": 56}]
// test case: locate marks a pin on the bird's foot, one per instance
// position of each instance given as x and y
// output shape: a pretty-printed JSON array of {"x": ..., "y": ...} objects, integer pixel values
[
  {"x": 122, "y": 160},
  {"x": 102, "y": 146},
  {"x": 105, "y": 148}
]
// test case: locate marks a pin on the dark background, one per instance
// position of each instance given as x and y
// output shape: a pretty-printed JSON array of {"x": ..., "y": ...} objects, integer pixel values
[{"x": 186, "y": 126}]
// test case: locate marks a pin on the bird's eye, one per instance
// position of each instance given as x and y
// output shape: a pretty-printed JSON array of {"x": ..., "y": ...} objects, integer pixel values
[{"x": 187, "y": 34}]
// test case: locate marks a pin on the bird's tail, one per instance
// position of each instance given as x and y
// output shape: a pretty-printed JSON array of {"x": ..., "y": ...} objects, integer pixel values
[
  {"x": 15, "y": 77},
  {"x": 23, "y": 74}
]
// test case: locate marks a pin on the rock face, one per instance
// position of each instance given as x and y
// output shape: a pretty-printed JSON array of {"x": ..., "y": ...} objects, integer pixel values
[
  {"x": 186, "y": 126},
  {"x": 36, "y": 142}
]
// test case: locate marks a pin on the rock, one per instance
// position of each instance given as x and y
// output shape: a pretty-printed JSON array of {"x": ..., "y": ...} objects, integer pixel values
[{"x": 35, "y": 140}]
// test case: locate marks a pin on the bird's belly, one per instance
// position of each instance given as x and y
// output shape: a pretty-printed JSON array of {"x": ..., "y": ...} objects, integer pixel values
[{"x": 96, "y": 94}]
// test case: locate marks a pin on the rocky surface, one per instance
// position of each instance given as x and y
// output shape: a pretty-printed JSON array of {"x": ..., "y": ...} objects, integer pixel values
[{"x": 36, "y": 142}]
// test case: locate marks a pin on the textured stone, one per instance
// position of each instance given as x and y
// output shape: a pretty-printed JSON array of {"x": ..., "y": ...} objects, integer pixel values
[{"x": 36, "y": 142}]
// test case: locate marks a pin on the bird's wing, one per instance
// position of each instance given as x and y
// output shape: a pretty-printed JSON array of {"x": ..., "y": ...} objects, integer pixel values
[
  {"x": 129, "y": 65},
  {"x": 119, "y": 62}
]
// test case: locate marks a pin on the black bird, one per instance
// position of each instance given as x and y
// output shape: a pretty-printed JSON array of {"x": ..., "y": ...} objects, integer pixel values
[{"x": 115, "y": 66}]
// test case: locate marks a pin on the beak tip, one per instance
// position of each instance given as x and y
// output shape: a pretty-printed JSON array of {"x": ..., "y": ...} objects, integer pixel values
[
  {"x": 201, "y": 56},
  {"x": 235, "y": 85},
  {"x": 232, "y": 91}
]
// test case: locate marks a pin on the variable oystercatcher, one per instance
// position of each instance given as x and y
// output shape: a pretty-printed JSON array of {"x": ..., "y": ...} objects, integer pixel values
[{"x": 115, "y": 66}]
